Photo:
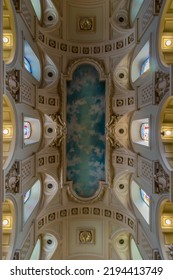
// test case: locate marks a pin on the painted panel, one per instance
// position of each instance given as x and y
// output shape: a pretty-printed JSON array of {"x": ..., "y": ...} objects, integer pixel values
[{"x": 85, "y": 130}]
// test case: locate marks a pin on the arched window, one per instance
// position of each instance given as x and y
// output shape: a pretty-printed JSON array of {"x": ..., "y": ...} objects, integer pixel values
[
  {"x": 37, "y": 8},
  {"x": 31, "y": 130},
  {"x": 27, "y": 130},
  {"x": 140, "y": 131},
  {"x": 26, "y": 196},
  {"x": 31, "y": 62},
  {"x": 134, "y": 9},
  {"x": 141, "y": 62},
  {"x": 141, "y": 200},
  {"x": 135, "y": 253},
  {"x": 27, "y": 65},
  {"x": 37, "y": 250},
  {"x": 145, "y": 197},
  {"x": 144, "y": 131},
  {"x": 30, "y": 200},
  {"x": 145, "y": 65}
]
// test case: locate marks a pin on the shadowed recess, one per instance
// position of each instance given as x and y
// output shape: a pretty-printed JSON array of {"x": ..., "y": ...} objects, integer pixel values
[{"x": 85, "y": 130}]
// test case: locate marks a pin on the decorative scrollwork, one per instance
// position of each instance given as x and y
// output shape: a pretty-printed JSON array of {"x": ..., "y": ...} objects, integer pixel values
[
  {"x": 162, "y": 85},
  {"x": 13, "y": 83},
  {"x": 12, "y": 179},
  {"x": 171, "y": 250},
  {"x": 110, "y": 131},
  {"x": 60, "y": 129},
  {"x": 157, "y": 6},
  {"x": 161, "y": 179},
  {"x": 85, "y": 236}
]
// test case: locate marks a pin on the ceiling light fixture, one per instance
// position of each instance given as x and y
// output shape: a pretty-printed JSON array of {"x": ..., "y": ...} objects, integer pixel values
[
  {"x": 168, "y": 222},
  {"x": 5, "y": 222},
  {"x": 168, "y": 43},
  {"x": 5, "y": 131},
  {"x": 5, "y": 40},
  {"x": 167, "y": 133}
]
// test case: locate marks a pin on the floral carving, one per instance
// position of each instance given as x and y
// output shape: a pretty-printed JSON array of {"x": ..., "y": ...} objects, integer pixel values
[
  {"x": 12, "y": 180},
  {"x": 161, "y": 179},
  {"x": 110, "y": 131},
  {"x": 61, "y": 130},
  {"x": 162, "y": 85},
  {"x": 13, "y": 83}
]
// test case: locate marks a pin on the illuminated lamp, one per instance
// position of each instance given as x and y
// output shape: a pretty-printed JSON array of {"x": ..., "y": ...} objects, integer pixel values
[
  {"x": 168, "y": 43},
  {"x": 5, "y": 222},
  {"x": 168, "y": 222},
  {"x": 166, "y": 133},
  {"x": 5, "y": 40},
  {"x": 5, "y": 131}
]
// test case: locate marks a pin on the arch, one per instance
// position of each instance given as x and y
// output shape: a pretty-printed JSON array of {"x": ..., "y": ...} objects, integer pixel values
[
  {"x": 141, "y": 63},
  {"x": 165, "y": 135},
  {"x": 166, "y": 228},
  {"x": 8, "y": 228},
  {"x": 9, "y": 32},
  {"x": 32, "y": 201},
  {"x": 31, "y": 130},
  {"x": 31, "y": 62},
  {"x": 9, "y": 131},
  {"x": 137, "y": 197}
]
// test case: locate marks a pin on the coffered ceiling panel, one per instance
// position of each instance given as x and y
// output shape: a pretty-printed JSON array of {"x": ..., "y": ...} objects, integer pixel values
[
  {"x": 85, "y": 237},
  {"x": 86, "y": 20}
]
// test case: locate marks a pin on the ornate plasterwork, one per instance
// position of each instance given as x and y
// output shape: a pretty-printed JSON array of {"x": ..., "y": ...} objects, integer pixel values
[
  {"x": 117, "y": 131},
  {"x": 157, "y": 6},
  {"x": 86, "y": 236},
  {"x": 162, "y": 85},
  {"x": 86, "y": 24},
  {"x": 98, "y": 64},
  {"x": 13, "y": 83},
  {"x": 110, "y": 131},
  {"x": 161, "y": 179},
  {"x": 60, "y": 130},
  {"x": 96, "y": 197},
  {"x": 12, "y": 179}
]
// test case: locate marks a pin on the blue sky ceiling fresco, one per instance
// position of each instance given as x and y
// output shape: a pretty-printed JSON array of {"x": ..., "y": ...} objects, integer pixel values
[{"x": 85, "y": 130}]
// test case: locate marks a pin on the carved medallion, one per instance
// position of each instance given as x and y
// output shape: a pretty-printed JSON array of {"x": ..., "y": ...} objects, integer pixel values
[
  {"x": 86, "y": 236},
  {"x": 86, "y": 23}
]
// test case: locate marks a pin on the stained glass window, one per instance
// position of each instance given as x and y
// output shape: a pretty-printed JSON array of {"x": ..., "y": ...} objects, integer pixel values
[
  {"x": 145, "y": 65},
  {"x": 144, "y": 131},
  {"x": 27, "y": 65},
  {"x": 27, "y": 130},
  {"x": 145, "y": 197},
  {"x": 26, "y": 196}
]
